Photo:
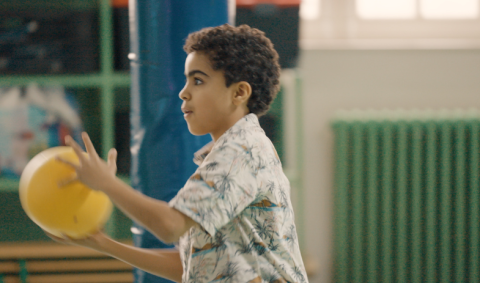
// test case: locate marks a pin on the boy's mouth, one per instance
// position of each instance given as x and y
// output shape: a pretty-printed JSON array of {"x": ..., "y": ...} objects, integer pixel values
[{"x": 186, "y": 112}]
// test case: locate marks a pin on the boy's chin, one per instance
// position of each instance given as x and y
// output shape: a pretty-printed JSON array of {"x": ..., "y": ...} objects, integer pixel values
[{"x": 196, "y": 132}]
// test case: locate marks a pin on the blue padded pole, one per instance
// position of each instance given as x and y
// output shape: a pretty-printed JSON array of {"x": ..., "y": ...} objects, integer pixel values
[{"x": 161, "y": 145}]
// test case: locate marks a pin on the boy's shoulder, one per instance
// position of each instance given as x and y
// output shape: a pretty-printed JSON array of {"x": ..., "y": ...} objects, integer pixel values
[
  {"x": 246, "y": 133},
  {"x": 245, "y": 136}
]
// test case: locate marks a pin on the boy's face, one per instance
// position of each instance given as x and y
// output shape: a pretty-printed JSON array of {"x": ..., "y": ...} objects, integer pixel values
[{"x": 207, "y": 102}]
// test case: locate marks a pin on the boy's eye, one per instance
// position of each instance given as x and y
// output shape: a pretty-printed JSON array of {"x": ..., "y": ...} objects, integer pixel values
[{"x": 198, "y": 81}]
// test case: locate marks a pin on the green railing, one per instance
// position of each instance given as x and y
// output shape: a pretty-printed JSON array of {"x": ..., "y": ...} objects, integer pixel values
[
  {"x": 103, "y": 85},
  {"x": 407, "y": 196}
]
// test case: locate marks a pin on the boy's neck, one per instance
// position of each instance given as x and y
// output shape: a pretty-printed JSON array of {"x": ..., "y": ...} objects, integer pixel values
[{"x": 232, "y": 120}]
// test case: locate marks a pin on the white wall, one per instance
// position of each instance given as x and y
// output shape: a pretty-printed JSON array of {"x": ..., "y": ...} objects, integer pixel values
[{"x": 348, "y": 79}]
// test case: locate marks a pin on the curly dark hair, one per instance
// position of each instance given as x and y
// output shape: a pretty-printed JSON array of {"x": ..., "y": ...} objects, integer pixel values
[{"x": 243, "y": 54}]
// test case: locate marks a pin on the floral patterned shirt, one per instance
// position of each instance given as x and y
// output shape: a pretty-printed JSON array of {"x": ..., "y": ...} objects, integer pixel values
[{"x": 240, "y": 198}]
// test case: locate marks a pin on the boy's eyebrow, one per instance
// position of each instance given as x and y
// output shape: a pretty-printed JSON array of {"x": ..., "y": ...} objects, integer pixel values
[{"x": 193, "y": 72}]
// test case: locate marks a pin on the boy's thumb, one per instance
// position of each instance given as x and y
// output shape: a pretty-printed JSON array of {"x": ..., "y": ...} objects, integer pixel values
[
  {"x": 112, "y": 156},
  {"x": 112, "y": 160}
]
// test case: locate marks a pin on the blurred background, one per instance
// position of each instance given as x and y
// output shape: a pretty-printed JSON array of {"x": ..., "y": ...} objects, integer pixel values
[{"x": 376, "y": 123}]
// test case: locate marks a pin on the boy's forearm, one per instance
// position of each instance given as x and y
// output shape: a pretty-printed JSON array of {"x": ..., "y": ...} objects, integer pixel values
[
  {"x": 165, "y": 263},
  {"x": 155, "y": 215}
]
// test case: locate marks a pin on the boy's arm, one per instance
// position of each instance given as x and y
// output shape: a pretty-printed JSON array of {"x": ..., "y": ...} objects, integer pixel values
[
  {"x": 163, "y": 221},
  {"x": 165, "y": 263}
]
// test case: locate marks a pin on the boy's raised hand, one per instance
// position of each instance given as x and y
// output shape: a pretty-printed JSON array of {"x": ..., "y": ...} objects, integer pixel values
[{"x": 91, "y": 170}]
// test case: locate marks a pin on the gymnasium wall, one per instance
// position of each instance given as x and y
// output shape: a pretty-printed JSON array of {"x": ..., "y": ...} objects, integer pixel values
[{"x": 369, "y": 78}]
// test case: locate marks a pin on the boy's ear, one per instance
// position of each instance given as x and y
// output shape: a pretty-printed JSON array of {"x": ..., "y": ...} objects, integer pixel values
[{"x": 242, "y": 93}]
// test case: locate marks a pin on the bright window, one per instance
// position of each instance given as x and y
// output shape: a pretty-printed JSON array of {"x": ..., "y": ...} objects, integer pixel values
[
  {"x": 449, "y": 9},
  {"x": 310, "y": 9},
  {"x": 411, "y": 9},
  {"x": 386, "y": 9},
  {"x": 390, "y": 23}
]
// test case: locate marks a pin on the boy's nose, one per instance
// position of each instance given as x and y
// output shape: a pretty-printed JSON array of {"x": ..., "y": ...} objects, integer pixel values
[{"x": 183, "y": 94}]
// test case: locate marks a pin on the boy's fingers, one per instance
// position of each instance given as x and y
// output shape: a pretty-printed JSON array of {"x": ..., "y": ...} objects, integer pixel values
[
  {"x": 78, "y": 150},
  {"x": 49, "y": 235},
  {"x": 88, "y": 144},
  {"x": 112, "y": 156},
  {"x": 53, "y": 237},
  {"x": 64, "y": 182},
  {"x": 66, "y": 237},
  {"x": 112, "y": 160},
  {"x": 69, "y": 163}
]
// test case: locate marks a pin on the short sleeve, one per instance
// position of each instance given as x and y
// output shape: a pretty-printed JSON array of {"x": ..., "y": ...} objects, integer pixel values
[{"x": 223, "y": 185}]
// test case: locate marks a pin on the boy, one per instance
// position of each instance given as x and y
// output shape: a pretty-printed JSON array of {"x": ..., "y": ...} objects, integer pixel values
[{"x": 233, "y": 220}]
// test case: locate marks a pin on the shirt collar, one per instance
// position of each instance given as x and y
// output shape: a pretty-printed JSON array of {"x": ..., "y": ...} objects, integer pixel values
[{"x": 247, "y": 121}]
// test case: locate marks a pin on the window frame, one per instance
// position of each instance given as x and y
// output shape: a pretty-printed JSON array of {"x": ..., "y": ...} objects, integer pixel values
[{"x": 339, "y": 26}]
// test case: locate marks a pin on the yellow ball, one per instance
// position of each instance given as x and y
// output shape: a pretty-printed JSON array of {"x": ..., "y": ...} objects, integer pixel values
[{"x": 74, "y": 209}]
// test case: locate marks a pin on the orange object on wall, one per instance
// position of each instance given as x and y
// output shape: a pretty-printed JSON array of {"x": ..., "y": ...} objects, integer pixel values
[
  {"x": 278, "y": 3},
  {"x": 120, "y": 3}
]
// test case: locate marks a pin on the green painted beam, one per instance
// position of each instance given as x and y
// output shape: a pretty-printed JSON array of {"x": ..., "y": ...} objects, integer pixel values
[
  {"x": 104, "y": 82},
  {"x": 106, "y": 68},
  {"x": 49, "y": 4},
  {"x": 119, "y": 79},
  {"x": 108, "y": 119},
  {"x": 106, "y": 37},
  {"x": 90, "y": 80},
  {"x": 8, "y": 185},
  {"x": 11, "y": 185}
]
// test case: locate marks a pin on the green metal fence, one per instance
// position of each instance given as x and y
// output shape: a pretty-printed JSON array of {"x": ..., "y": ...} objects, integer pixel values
[{"x": 407, "y": 197}]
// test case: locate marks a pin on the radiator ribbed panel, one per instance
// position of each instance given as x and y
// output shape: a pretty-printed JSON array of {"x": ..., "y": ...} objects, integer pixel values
[{"x": 407, "y": 200}]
